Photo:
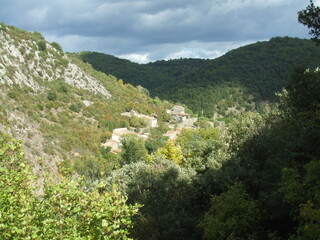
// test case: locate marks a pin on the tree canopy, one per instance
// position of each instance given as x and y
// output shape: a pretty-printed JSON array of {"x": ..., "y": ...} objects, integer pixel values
[{"x": 311, "y": 18}]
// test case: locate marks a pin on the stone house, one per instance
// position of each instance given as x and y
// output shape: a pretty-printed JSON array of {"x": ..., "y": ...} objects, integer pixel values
[
  {"x": 151, "y": 121},
  {"x": 178, "y": 113}
]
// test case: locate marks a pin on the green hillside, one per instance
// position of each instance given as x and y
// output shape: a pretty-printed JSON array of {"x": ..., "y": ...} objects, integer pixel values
[
  {"x": 237, "y": 81},
  {"x": 150, "y": 76},
  {"x": 61, "y": 107}
]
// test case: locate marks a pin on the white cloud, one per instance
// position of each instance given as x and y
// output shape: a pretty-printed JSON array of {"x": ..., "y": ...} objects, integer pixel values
[{"x": 135, "y": 57}]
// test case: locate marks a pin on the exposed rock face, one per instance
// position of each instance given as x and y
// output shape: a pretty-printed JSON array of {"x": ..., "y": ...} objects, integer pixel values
[
  {"x": 24, "y": 64},
  {"x": 27, "y": 60}
]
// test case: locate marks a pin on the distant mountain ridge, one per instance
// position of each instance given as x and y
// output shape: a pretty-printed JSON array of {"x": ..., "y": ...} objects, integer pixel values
[{"x": 237, "y": 81}]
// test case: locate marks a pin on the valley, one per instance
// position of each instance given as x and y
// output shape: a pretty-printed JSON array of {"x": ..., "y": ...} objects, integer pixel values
[{"x": 97, "y": 147}]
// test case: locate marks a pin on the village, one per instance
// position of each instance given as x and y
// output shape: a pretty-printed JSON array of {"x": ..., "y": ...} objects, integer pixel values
[{"x": 179, "y": 120}]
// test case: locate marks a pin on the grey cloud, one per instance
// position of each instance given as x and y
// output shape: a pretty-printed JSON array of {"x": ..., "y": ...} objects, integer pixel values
[{"x": 141, "y": 27}]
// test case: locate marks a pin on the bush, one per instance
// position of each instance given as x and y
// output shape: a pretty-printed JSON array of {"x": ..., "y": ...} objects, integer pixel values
[
  {"x": 56, "y": 46},
  {"x": 42, "y": 45},
  {"x": 75, "y": 107},
  {"x": 11, "y": 94},
  {"x": 52, "y": 96}
]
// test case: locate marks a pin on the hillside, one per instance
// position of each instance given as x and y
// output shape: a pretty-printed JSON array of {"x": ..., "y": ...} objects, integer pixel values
[
  {"x": 238, "y": 180},
  {"x": 240, "y": 80},
  {"x": 150, "y": 76},
  {"x": 59, "y": 106}
]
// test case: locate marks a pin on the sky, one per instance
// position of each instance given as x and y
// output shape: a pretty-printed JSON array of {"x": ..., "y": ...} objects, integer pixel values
[{"x": 150, "y": 30}]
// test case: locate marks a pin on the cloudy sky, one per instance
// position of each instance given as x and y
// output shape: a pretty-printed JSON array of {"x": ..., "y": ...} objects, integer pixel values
[{"x": 149, "y": 30}]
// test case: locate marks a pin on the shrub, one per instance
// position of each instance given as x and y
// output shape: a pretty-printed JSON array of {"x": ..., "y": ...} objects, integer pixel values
[
  {"x": 56, "y": 46},
  {"x": 76, "y": 107},
  {"x": 42, "y": 45},
  {"x": 52, "y": 96},
  {"x": 12, "y": 95}
]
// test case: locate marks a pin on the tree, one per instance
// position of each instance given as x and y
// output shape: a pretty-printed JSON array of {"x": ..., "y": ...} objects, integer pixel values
[
  {"x": 165, "y": 190},
  {"x": 155, "y": 141},
  {"x": 17, "y": 202},
  {"x": 66, "y": 210},
  {"x": 300, "y": 179},
  {"x": 171, "y": 151},
  {"x": 233, "y": 215},
  {"x": 133, "y": 149},
  {"x": 303, "y": 91},
  {"x": 203, "y": 148},
  {"x": 311, "y": 18},
  {"x": 302, "y": 191}
]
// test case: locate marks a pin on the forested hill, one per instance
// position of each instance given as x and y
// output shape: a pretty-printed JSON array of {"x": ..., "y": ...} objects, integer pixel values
[
  {"x": 150, "y": 76},
  {"x": 236, "y": 81}
]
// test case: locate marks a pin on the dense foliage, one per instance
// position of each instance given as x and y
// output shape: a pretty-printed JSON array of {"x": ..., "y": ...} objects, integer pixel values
[
  {"x": 242, "y": 182},
  {"x": 66, "y": 209},
  {"x": 239, "y": 81},
  {"x": 310, "y": 17}
]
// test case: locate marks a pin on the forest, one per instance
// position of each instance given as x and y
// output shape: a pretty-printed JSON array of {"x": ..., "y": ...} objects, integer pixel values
[
  {"x": 242, "y": 78},
  {"x": 256, "y": 178}
]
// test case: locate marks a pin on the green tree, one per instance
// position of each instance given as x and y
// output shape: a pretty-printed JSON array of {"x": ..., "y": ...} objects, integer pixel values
[
  {"x": 203, "y": 148},
  {"x": 311, "y": 18},
  {"x": 171, "y": 151},
  {"x": 303, "y": 88},
  {"x": 133, "y": 149},
  {"x": 66, "y": 210},
  {"x": 302, "y": 191},
  {"x": 232, "y": 216},
  {"x": 155, "y": 141},
  {"x": 165, "y": 190},
  {"x": 17, "y": 201},
  {"x": 244, "y": 128},
  {"x": 300, "y": 178},
  {"x": 42, "y": 45}
]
